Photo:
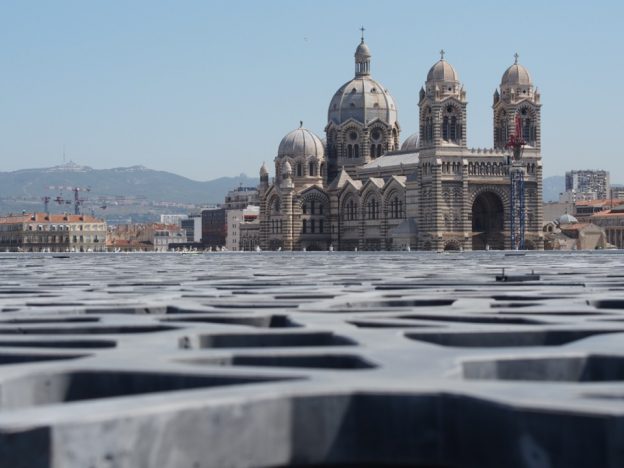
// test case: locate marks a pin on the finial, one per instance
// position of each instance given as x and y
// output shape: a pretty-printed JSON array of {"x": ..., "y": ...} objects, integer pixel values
[
  {"x": 516, "y": 58},
  {"x": 442, "y": 54},
  {"x": 362, "y": 29},
  {"x": 301, "y": 124}
]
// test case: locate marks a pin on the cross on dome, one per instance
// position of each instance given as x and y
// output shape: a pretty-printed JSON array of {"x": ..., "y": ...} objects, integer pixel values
[
  {"x": 442, "y": 54},
  {"x": 516, "y": 58},
  {"x": 362, "y": 29}
]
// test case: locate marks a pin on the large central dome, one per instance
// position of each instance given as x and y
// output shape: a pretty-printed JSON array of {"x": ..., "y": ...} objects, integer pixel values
[{"x": 362, "y": 99}]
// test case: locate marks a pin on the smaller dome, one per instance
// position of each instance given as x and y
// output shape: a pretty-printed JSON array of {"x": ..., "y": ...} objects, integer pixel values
[
  {"x": 263, "y": 170},
  {"x": 301, "y": 142},
  {"x": 411, "y": 143},
  {"x": 567, "y": 219},
  {"x": 287, "y": 168},
  {"x": 362, "y": 50},
  {"x": 442, "y": 71},
  {"x": 516, "y": 75}
]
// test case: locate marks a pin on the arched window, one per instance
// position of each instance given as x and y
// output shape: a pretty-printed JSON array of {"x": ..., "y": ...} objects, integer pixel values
[
  {"x": 299, "y": 170},
  {"x": 357, "y": 151},
  {"x": 372, "y": 152},
  {"x": 453, "y": 129},
  {"x": 350, "y": 151},
  {"x": 349, "y": 211},
  {"x": 504, "y": 131},
  {"x": 304, "y": 226},
  {"x": 429, "y": 128},
  {"x": 396, "y": 208},
  {"x": 378, "y": 150},
  {"x": 451, "y": 126},
  {"x": 372, "y": 208},
  {"x": 311, "y": 169}
]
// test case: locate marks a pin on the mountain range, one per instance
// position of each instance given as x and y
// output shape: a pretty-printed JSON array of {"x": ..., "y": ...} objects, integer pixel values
[{"x": 134, "y": 190}]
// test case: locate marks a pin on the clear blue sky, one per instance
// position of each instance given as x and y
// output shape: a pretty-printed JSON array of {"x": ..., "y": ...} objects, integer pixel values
[{"x": 206, "y": 89}]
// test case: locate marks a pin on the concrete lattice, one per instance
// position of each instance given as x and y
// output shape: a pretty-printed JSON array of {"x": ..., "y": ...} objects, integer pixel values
[{"x": 334, "y": 359}]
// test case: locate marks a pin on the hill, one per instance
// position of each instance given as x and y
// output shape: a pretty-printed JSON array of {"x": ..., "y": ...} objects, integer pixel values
[{"x": 135, "y": 186}]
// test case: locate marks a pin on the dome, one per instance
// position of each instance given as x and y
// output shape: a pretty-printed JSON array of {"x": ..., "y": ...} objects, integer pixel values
[
  {"x": 567, "y": 219},
  {"x": 364, "y": 100},
  {"x": 411, "y": 143},
  {"x": 263, "y": 170},
  {"x": 287, "y": 168},
  {"x": 362, "y": 51},
  {"x": 442, "y": 71},
  {"x": 516, "y": 75},
  {"x": 301, "y": 142}
]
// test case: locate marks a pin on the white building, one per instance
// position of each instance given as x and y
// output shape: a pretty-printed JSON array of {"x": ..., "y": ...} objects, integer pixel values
[
  {"x": 236, "y": 218},
  {"x": 595, "y": 184},
  {"x": 172, "y": 218},
  {"x": 241, "y": 197},
  {"x": 165, "y": 239},
  {"x": 572, "y": 196}
]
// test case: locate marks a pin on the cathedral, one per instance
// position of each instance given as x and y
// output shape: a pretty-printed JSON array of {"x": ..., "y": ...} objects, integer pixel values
[{"x": 360, "y": 188}]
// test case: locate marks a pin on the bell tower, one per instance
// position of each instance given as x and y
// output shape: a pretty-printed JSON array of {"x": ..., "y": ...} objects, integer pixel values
[{"x": 516, "y": 99}]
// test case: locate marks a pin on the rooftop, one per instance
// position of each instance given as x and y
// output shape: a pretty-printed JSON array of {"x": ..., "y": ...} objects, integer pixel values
[{"x": 51, "y": 218}]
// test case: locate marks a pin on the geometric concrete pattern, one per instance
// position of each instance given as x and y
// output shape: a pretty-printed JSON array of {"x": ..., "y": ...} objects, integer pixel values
[{"x": 312, "y": 359}]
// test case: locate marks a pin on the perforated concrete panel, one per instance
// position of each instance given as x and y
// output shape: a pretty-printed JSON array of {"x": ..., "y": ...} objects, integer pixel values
[{"x": 312, "y": 359}]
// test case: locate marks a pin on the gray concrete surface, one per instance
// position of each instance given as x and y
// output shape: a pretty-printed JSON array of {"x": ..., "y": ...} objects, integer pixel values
[{"x": 312, "y": 359}]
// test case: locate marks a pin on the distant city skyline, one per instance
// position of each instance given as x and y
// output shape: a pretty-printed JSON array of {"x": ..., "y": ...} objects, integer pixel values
[{"x": 208, "y": 89}]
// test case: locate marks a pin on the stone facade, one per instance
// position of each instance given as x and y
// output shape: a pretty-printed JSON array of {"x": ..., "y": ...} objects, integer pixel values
[
  {"x": 43, "y": 232},
  {"x": 360, "y": 190}
]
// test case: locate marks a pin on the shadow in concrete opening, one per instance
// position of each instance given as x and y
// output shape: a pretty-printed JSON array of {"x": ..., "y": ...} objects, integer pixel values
[
  {"x": 443, "y": 431},
  {"x": 64, "y": 387},
  {"x": 270, "y": 340},
  {"x": 593, "y": 368},
  {"x": 309, "y": 361},
  {"x": 258, "y": 321},
  {"x": 495, "y": 339}
]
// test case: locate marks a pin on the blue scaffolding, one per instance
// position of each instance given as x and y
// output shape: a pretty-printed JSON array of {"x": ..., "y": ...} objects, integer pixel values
[{"x": 517, "y": 210}]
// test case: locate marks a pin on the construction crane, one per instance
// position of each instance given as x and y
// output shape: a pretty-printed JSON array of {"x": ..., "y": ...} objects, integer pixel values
[
  {"x": 46, "y": 204},
  {"x": 517, "y": 172},
  {"x": 77, "y": 200}
]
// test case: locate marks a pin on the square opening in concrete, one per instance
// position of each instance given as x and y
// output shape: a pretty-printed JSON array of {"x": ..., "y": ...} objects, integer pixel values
[
  {"x": 391, "y": 303},
  {"x": 493, "y": 339},
  {"x": 78, "y": 330},
  {"x": 311, "y": 361},
  {"x": 24, "y": 358},
  {"x": 268, "y": 340},
  {"x": 493, "y": 319},
  {"x": 258, "y": 321},
  {"x": 101, "y": 344},
  {"x": 593, "y": 368}
]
